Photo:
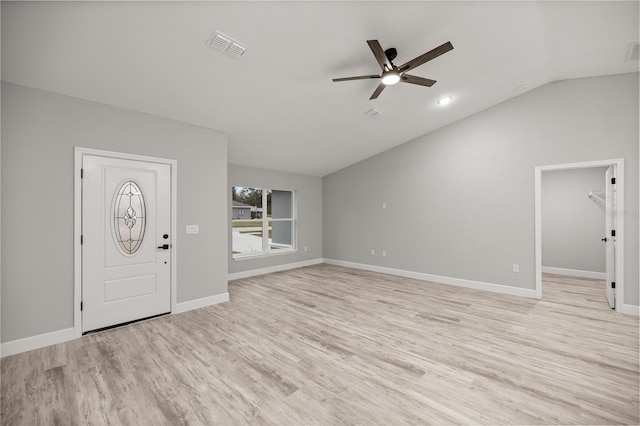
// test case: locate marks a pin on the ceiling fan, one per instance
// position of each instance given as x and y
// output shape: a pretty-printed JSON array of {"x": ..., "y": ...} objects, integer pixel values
[{"x": 392, "y": 74}]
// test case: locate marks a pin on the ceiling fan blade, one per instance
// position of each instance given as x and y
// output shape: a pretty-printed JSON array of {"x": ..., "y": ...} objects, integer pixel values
[
  {"x": 362, "y": 77},
  {"x": 379, "y": 90},
  {"x": 406, "y": 78},
  {"x": 432, "y": 54},
  {"x": 382, "y": 59}
]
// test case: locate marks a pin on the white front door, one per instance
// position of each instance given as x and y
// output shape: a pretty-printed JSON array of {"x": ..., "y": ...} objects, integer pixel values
[
  {"x": 126, "y": 249},
  {"x": 610, "y": 239}
]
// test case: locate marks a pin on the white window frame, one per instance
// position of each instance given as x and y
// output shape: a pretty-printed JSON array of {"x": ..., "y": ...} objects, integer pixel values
[{"x": 266, "y": 249}]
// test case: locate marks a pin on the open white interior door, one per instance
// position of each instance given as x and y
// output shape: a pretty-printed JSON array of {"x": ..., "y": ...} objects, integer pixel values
[{"x": 610, "y": 238}]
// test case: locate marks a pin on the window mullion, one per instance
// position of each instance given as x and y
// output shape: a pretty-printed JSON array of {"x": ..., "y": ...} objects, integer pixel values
[
  {"x": 265, "y": 223},
  {"x": 294, "y": 215}
]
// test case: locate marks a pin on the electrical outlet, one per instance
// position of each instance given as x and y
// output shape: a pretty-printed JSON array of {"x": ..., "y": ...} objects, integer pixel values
[
  {"x": 373, "y": 252},
  {"x": 516, "y": 268},
  {"x": 384, "y": 253},
  {"x": 384, "y": 205},
  {"x": 305, "y": 248}
]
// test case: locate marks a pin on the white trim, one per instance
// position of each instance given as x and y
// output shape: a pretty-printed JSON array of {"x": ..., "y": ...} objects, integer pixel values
[
  {"x": 35, "y": 342},
  {"x": 628, "y": 309},
  {"x": 271, "y": 269},
  {"x": 174, "y": 233},
  {"x": 619, "y": 208},
  {"x": 79, "y": 152},
  {"x": 200, "y": 303},
  {"x": 574, "y": 273},
  {"x": 537, "y": 285},
  {"x": 279, "y": 252},
  {"x": 77, "y": 248},
  {"x": 459, "y": 282}
]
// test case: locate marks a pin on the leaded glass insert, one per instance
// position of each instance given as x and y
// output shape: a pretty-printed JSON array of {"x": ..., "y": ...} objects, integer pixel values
[{"x": 129, "y": 217}]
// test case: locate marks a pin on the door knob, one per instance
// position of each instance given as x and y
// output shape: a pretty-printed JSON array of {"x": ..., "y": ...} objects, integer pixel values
[
  {"x": 164, "y": 247},
  {"x": 604, "y": 239}
]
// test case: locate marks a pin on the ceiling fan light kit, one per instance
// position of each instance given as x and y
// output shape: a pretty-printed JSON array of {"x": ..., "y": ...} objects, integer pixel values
[
  {"x": 390, "y": 78},
  {"x": 392, "y": 74}
]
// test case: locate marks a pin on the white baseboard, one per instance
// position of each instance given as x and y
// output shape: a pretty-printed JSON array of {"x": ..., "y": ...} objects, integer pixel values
[
  {"x": 574, "y": 273},
  {"x": 35, "y": 342},
  {"x": 629, "y": 309},
  {"x": 271, "y": 269},
  {"x": 478, "y": 285},
  {"x": 200, "y": 303},
  {"x": 60, "y": 336}
]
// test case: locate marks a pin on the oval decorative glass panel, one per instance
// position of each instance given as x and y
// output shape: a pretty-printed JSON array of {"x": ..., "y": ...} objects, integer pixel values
[{"x": 129, "y": 217}]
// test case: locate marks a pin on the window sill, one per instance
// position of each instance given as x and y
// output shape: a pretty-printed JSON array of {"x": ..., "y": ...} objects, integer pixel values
[{"x": 248, "y": 256}]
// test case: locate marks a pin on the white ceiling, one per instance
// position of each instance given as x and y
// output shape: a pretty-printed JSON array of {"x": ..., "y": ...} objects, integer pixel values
[{"x": 277, "y": 103}]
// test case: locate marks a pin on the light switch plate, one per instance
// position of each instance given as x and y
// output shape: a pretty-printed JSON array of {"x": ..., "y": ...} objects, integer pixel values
[{"x": 192, "y": 229}]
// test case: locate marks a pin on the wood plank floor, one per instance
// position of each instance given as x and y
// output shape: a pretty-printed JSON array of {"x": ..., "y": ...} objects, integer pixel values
[{"x": 328, "y": 345}]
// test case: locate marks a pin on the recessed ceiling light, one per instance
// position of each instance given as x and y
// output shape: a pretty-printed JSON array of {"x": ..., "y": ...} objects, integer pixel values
[{"x": 445, "y": 101}]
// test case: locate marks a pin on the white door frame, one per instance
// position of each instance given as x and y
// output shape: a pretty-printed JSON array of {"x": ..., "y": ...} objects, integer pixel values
[
  {"x": 618, "y": 208},
  {"x": 77, "y": 224}
]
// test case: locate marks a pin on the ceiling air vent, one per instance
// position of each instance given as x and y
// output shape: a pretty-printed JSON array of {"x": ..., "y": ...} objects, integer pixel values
[
  {"x": 226, "y": 44},
  {"x": 632, "y": 53},
  {"x": 373, "y": 113}
]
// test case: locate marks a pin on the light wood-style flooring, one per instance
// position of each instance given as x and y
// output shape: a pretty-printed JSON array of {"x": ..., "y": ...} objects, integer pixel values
[{"x": 328, "y": 345}]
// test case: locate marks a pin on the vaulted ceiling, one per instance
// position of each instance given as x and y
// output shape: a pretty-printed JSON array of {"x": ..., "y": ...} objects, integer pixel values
[{"x": 277, "y": 102}]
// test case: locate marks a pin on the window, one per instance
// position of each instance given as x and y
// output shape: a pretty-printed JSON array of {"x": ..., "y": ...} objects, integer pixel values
[
  {"x": 129, "y": 218},
  {"x": 263, "y": 221}
]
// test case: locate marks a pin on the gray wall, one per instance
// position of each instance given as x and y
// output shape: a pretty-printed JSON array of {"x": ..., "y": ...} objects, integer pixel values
[
  {"x": 473, "y": 183},
  {"x": 572, "y": 224},
  {"x": 39, "y": 132},
  {"x": 308, "y": 193}
]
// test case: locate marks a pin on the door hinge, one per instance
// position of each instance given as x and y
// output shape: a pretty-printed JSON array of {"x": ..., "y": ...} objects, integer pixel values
[
  {"x": 81, "y": 306},
  {"x": 613, "y": 284},
  {"x": 613, "y": 232},
  {"x": 613, "y": 181},
  {"x": 81, "y": 173},
  {"x": 81, "y": 239}
]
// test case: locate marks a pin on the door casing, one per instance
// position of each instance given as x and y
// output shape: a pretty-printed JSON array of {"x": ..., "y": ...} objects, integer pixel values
[
  {"x": 77, "y": 224},
  {"x": 619, "y": 207}
]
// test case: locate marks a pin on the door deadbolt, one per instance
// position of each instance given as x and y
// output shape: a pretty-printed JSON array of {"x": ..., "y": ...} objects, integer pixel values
[{"x": 165, "y": 236}]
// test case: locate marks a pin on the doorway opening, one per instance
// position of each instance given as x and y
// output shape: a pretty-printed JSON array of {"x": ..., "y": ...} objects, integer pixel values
[{"x": 613, "y": 191}]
